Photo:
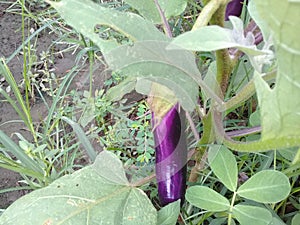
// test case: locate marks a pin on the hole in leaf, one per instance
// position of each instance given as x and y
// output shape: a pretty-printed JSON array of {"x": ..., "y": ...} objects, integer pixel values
[{"x": 107, "y": 33}]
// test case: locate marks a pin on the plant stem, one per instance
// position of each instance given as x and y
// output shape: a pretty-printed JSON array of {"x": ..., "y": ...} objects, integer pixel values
[
  {"x": 247, "y": 91},
  {"x": 244, "y": 132},
  {"x": 253, "y": 146},
  {"x": 214, "y": 12},
  {"x": 91, "y": 62},
  {"x": 143, "y": 181},
  {"x": 207, "y": 12},
  {"x": 275, "y": 159},
  {"x": 231, "y": 208},
  {"x": 193, "y": 127},
  {"x": 27, "y": 86},
  {"x": 224, "y": 62},
  {"x": 26, "y": 79},
  {"x": 201, "y": 155},
  {"x": 166, "y": 25}
]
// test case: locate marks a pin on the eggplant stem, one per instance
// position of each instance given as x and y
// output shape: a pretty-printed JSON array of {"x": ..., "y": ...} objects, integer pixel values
[
  {"x": 231, "y": 208},
  {"x": 207, "y": 12},
  {"x": 143, "y": 181},
  {"x": 199, "y": 166},
  {"x": 244, "y": 132},
  {"x": 166, "y": 25},
  {"x": 193, "y": 127}
]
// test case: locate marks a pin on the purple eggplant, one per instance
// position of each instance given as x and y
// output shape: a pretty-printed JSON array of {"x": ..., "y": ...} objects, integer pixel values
[
  {"x": 171, "y": 155},
  {"x": 234, "y": 8}
]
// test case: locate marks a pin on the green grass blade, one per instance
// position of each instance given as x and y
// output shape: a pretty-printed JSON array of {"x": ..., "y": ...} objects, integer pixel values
[
  {"x": 21, "y": 170},
  {"x": 15, "y": 189},
  {"x": 13, "y": 148},
  {"x": 82, "y": 138},
  {"x": 61, "y": 92},
  {"x": 12, "y": 82},
  {"x": 14, "y": 105}
]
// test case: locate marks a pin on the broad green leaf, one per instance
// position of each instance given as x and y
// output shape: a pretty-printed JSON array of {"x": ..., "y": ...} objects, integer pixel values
[
  {"x": 135, "y": 28},
  {"x": 97, "y": 194},
  {"x": 288, "y": 153},
  {"x": 149, "y": 60},
  {"x": 279, "y": 106},
  {"x": 224, "y": 166},
  {"x": 88, "y": 115},
  {"x": 149, "y": 10},
  {"x": 168, "y": 215},
  {"x": 267, "y": 186},
  {"x": 116, "y": 93},
  {"x": 108, "y": 166},
  {"x": 296, "y": 219},
  {"x": 207, "y": 199},
  {"x": 85, "y": 16},
  {"x": 211, "y": 81},
  {"x": 242, "y": 74},
  {"x": 254, "y": 119},
  {"x": 218, "y": 221},
  {"x": 211, "y": 38},
  {"x": 261, "y": 23},
  {"x": 247, "y": 214},
  {"x": 277, "y": 221}
]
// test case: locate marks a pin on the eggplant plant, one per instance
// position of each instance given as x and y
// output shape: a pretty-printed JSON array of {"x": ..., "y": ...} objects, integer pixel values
[{"x": 164, "y": 67}]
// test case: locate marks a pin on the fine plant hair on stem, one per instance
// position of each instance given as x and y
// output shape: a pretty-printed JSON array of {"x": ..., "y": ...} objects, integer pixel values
[
  {"x": 224, "y": 68},
  {"x": 166, "y": 25},
  {"x": 206, "y": 14}
]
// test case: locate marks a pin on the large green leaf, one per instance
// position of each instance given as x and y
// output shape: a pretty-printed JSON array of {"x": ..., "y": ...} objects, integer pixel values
[
  {"x": 168, "y": 215},
  {"x": 149, "y": 10},
  {"x": 223, "y": 164},
  {"x": 150, "y": 60},
  {"x": 267, "y": 186},
  {"x": 97, "y": 194},
  {"x": 261, "y": 23},
  {"x": 146, "y": 59},
  {"x": 206, "y": 198},
  {"x": 85, "y": 16},
  {"x": 296, "y": 219},
  {"x": 280, "y": 106},
  {"x": 247, "y": 214},
  {"x": 211, "y": 38}
]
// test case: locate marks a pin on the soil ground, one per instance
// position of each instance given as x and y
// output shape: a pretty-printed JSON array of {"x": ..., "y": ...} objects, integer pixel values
[{"x": 10, "y": 40}]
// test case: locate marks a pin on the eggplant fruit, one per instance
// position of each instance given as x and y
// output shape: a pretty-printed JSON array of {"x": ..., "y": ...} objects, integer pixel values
[
  {"x": 234, "y": 8},
  {"x": 171, "y": 154}
]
